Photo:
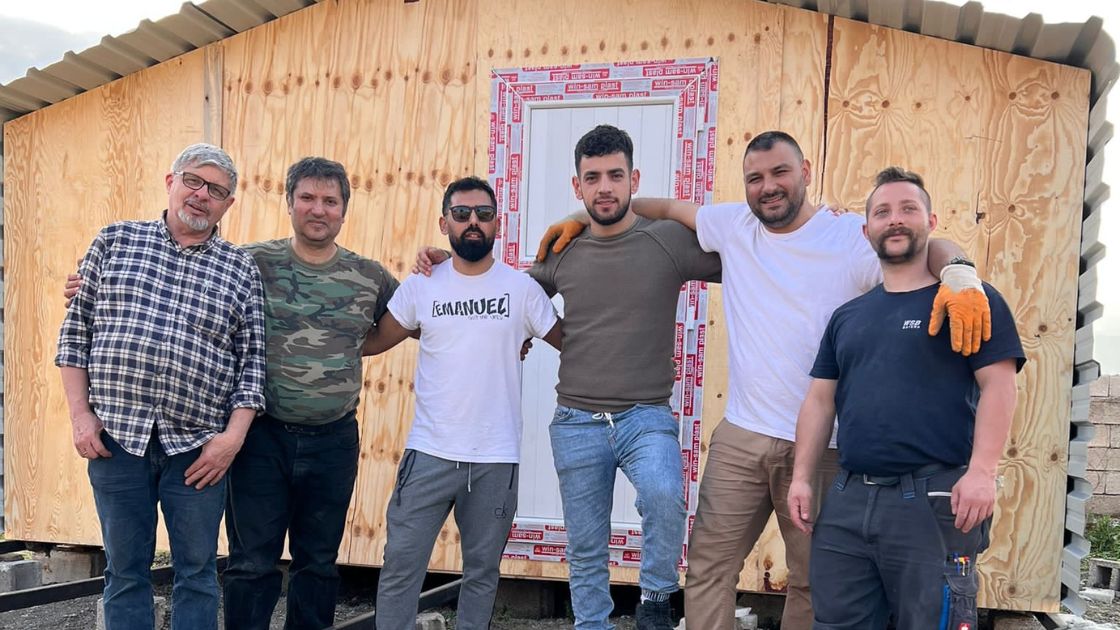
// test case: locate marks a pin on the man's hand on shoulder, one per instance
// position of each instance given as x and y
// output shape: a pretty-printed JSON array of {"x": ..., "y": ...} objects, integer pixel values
[
  {"x": 962, "y": 298},
  {"x": 562, "y": 232},
  {"x": 427, "y": 258}
]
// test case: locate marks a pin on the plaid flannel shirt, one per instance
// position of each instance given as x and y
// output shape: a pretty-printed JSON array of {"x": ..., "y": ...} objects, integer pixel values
[{"x": 171, "y": 336}]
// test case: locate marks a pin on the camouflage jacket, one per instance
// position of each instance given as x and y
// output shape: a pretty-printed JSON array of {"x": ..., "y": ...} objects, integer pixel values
[{"x": 316, "y": 317}]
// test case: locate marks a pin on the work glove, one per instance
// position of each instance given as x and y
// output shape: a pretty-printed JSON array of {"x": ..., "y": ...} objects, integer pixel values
[
  {"x": 962, "y": 297},
  {"x": 562, "y": 232}
]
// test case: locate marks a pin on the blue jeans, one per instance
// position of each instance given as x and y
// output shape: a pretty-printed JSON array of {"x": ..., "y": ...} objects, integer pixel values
[
  {"x": 288, "y": 479},
  {"x": 126, "y": 489},
  {"x": 587, "y": 449}
]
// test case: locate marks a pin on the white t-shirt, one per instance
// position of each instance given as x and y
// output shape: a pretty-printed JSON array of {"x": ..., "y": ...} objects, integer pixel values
[
  {"x": 779, "y": 291},
  {"x": 468, "y": 374}
]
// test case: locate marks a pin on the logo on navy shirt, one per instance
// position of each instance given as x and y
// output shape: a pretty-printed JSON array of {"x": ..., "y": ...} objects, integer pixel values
[
  {"x": 481, "y": 308},
  {"x": 912, "y": 324}
]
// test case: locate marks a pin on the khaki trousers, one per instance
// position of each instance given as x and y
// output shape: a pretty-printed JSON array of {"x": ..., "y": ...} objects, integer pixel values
[{"x": 746, "y": 478}]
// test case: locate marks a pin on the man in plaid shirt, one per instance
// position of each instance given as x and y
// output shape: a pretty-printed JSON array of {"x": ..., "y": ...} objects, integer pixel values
[{"x": 162, "y": 360}]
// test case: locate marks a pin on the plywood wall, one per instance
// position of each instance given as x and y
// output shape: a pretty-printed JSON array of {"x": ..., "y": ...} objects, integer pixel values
[{"x": 399, "y": 93}]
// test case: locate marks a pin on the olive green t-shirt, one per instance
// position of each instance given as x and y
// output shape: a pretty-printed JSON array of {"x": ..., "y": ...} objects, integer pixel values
[
  {"x": 620, "y": 310},
  {"x": 316, "y": 317}
]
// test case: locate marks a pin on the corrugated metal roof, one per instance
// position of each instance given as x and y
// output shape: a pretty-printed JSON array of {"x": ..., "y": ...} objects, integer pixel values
[
  {"x": 1084, "y": 45},
  {"x": 194, "y": 26}
]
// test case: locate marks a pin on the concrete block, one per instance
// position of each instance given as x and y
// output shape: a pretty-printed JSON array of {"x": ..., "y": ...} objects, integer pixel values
[
  {"x": 1098, "y": 459},
  {"x": 1103, "y": 504},
  {"x": 430, "y": 621},
  {"x": 1112, "y": 482},
  {"x": 1114, "y": 435},
  {"x": 20, "y": 575},
  {"x": 531, "y": 599},
  {"x": 1101, "y": 436},
  {"x": 1096, "y": 479},
  {"x": 1104, "y": 573},
  {"x": 1104, "y": 411},
  {"x": 1003, "y": 620},
  {"x": 1099, "y": 388},
  {"x": 160, "y": 604},
  {"x": 67, "y": 564},
  {"x": 1105, "y": 595}
]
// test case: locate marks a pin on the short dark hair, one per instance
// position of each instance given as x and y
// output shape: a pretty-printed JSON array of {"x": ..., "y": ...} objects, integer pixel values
[
  {"x": 317, "y": 168},
  {"x": 465, "y": 184},
  {"x": 893, "y": 174},
  {"x": 767, "y": 139},
  {"x": 605, "y": 140}
]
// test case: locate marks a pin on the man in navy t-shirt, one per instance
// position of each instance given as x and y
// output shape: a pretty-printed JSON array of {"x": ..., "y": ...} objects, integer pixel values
[{"x": 920, "y": 433}]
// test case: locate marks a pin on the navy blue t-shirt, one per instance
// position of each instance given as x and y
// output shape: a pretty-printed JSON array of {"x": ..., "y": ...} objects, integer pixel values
[{"x": 904, "y": 399}]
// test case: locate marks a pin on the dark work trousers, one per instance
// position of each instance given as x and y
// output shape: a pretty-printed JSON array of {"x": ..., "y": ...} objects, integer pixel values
[
  {"x": 484, "y": 497},
  {"x": 288, "y": 479},
  {"x": 886, "y": 551}
]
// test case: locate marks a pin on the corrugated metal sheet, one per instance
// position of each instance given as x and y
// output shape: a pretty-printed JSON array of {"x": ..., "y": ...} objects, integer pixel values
[
  {"x": 194, "y": 26},
  {"x": 1084, "y": 45}
]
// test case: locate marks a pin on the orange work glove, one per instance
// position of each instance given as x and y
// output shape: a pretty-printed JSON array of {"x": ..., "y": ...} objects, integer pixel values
[
  {"x": 563, "y": 233},
  {"x": 962, "y": 297}
]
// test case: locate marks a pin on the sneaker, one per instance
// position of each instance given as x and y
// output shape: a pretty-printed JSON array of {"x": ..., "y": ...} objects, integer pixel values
[{"x": 653, "y": 615}]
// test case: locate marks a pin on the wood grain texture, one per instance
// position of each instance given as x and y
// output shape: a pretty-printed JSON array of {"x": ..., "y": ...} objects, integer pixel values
[
  {"x": 1000, "y": 141},
  {"x": 71, "y": 169},
  {"x": 399, "y": 92}
]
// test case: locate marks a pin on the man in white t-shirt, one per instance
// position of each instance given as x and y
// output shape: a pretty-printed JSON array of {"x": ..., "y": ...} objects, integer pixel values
[
  {"x": 787, "y": 264},
  {"x": 464, "y": 446}
]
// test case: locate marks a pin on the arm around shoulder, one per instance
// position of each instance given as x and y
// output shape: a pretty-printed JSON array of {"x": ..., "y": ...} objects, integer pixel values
[
  {"x": 385, "y": 335},
  {"x": 683, "y": 212}
]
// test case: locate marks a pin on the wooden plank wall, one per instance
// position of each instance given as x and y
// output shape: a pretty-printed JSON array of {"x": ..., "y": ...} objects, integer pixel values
[{"x": 399, "y": 93}]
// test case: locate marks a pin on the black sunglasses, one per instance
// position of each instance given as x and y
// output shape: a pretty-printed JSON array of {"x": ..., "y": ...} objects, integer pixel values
[{"x": 462, "y": 214}]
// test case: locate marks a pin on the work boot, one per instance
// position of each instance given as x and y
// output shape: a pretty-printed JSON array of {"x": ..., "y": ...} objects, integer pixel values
[{"x": 653, "y": 615}]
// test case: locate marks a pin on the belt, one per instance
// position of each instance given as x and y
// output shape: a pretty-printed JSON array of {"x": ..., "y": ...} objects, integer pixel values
[{"x": 893, "y": 480}]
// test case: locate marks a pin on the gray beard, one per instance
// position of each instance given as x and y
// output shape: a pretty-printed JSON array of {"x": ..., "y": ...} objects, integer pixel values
[{"x": 197, "y": 224}]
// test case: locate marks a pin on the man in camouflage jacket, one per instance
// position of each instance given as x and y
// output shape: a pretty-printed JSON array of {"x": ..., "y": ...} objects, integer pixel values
[{"x": 295, "y": 474}]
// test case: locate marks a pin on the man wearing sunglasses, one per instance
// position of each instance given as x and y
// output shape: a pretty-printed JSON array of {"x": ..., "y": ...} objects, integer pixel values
[
  {"x": 162, "y": 360},
  {"x": 464, "y": 446},
  {"x": 620, "y": 284}
]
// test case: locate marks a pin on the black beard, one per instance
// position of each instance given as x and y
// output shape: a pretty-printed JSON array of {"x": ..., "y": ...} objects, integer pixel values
[
  {"x": 472, "y": 251},
  {"x": 784, "y": 219},
  {"x": 623, "y": 208}
]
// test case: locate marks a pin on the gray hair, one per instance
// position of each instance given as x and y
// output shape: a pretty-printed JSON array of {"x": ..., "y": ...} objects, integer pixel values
[{"x": 202, "y": 154}]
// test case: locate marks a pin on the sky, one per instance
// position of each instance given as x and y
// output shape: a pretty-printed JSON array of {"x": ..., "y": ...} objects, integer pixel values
[{"x": 37, "y": 33}]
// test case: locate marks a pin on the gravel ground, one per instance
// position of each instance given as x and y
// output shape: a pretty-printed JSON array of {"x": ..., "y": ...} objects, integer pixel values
[{"x": 357, "y": 598}]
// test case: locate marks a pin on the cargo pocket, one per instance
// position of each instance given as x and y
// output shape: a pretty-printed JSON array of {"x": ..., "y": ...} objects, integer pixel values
[{"x": 962, "y": 600}]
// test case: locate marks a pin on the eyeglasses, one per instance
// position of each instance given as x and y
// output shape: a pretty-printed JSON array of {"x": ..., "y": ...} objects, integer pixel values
[
  {"x": 462, "y": 214},
  {"x": 194, "y": 182}
]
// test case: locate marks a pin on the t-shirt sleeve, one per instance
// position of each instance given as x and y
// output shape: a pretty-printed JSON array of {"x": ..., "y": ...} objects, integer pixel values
[
  {"x": 712, "y": 226},
  {"x": 1005, "y": 343},
  {"x": 692, "y": 261},
  {"x": 388, "y": 288},
  {"x": 825, "y": 365},
  {"x": 540, "y": 314},
  {"x": 545, "y": 273},
  {"x": 863, "y": 265},
  {"x": 403, "y": 303}
]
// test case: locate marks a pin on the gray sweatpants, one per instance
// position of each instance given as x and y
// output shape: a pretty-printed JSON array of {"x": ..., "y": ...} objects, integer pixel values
[{"x": 484, "y": 497}]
